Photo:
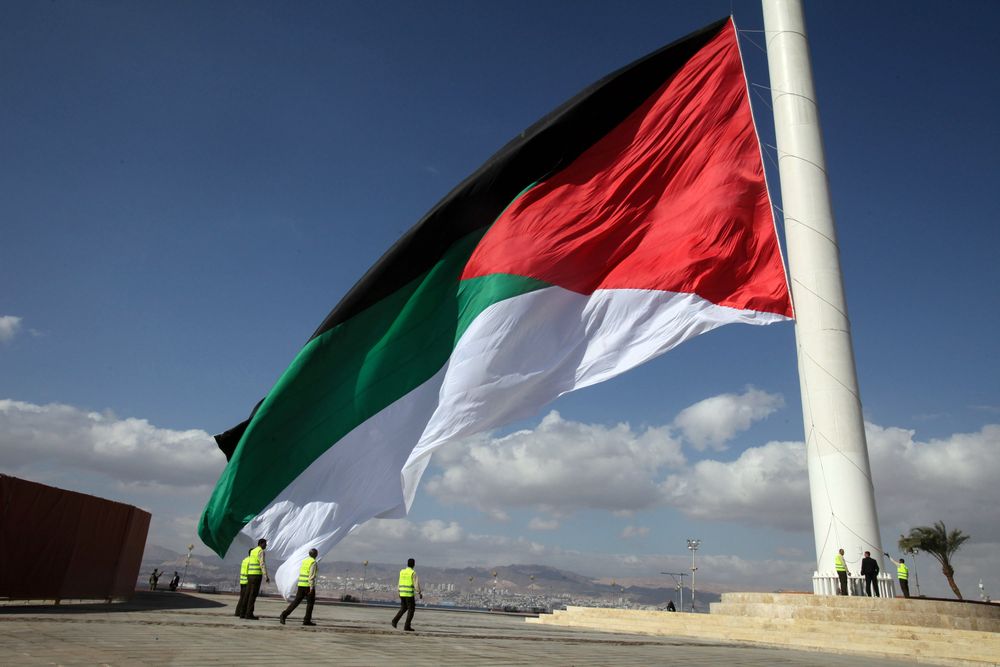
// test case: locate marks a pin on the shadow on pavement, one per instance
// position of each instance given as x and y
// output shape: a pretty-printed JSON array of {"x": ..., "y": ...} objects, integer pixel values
[{"x": 141, "y": 601}]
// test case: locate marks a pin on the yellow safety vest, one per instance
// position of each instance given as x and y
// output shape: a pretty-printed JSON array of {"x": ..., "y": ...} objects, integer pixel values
[
  {"x": 305, "y": 570},
  {"x": 406, "y": 582},
  {"x": 902, "y": 572},
  {"x": 840, "y": 564},
  {"x": 244, "y": 567},
  {"x": 254, "y": 568}
]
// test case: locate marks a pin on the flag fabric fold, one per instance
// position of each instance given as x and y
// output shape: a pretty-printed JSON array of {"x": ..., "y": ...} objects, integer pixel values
[{"x": 627, "y": 221}]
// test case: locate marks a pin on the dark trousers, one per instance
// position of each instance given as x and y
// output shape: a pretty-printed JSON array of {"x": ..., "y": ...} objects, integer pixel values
[
  {"x": 905, "y": 586},
  {"x": 242, "y": 604},
  {"x": 843, "y": 582},
  {"x": 406, "y": 606},
  {"x": 870, "y": 583},
  {"x": 303, "y": 592},
  {"x": 253, "y": 589}
]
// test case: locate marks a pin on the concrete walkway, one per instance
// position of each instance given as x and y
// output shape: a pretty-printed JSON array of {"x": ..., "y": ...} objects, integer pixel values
[{"x": 187, "y": 629}]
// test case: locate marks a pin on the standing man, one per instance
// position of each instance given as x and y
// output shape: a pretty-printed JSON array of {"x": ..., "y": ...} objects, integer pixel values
[
  {"x": 307, "y": 589},
  {"x": 256, "y": 571},
  {"x": 869, "y": 570},
  {"x": 902, "y": 574},
  {"x": 154, "y": 579},
  {"x": 842, "y": 571},
  {"x": 175, "y": 581},
  {"x": 244, "y": 571},
  {"x": 408, "y": 585}
]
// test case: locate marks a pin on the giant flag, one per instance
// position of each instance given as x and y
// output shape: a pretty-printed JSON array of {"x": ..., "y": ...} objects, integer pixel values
[{"x": 633, "y": 217}]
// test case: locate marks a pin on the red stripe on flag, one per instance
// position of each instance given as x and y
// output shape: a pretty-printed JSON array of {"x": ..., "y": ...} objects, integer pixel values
[{"x": 672, "y": 199}]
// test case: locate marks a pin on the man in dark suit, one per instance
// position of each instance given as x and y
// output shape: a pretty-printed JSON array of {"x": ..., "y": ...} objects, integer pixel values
[{"x": 869, "y": 570}]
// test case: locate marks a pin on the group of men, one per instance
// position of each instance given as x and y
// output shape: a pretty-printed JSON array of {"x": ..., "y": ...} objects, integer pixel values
[
  {"x": 870, "y": 570},
  {"x": 253, "y": 571},
  {"x": 154, "y": 580}
]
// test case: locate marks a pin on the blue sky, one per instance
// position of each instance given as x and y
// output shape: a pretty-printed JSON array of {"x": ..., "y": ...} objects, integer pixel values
[{"x": 188, "y": 188}]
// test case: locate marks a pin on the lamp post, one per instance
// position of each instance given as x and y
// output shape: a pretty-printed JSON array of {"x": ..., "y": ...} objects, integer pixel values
[
  {"x": 916, "y": 577},
  {"x": 187, "y": 561},
  {"x": 693, "y": 547},
  {"x": 494, "y": 600},
  {"x": 364, "y": 573},
  {"x": 470, "y": 590},
  {"x": 680, "y": 585}
]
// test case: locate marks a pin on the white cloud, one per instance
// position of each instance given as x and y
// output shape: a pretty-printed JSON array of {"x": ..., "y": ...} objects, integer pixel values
[
  {"x": 633, "y": 532},
  {"x": 560, "y": 466},
  {"x": 952, "y": 479},
  {"x": 9, "y": 326},
  {"x": 711, "y": 423},
  {"x": 766, "y": 485},
  {"x": 538, "y": 523},
  {"x": 916, "y": 482},
  {"x": 129, "y": 451}
]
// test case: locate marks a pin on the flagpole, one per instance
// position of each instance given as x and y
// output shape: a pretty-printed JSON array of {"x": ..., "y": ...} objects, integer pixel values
[{"x": 840, "y": 486}]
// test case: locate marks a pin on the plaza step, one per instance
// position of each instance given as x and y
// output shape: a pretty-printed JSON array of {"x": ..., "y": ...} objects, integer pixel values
[{"x": 934, "y": 645}]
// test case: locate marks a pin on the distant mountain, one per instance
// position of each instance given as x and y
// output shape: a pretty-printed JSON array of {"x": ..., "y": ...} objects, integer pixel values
[{"x": 515, "y": 579}]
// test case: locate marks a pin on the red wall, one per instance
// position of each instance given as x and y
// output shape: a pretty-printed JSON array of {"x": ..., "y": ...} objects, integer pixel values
[{"x": 57, "y": 544}]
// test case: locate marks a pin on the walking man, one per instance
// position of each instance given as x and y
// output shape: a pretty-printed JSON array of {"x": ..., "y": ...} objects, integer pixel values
[
  {"x": 244, "y": 566},
  {"x": 256, "y": 572},
  {"x": 842, "y": 571},
  {"x": 902, "y": 574},
  {"x": 306, "y": 589},
  {"x": 869, "y": 570},
  {"x": 408, "y": 585}
]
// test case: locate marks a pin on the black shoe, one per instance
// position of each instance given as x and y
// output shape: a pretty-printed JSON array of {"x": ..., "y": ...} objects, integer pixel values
[
  {"x": 394, "y": 624},
  {"x": 308, "y": 623},
  {"x": 409, "y": 629},
  {"x": 281, "y": 619},
  {"x": 252, "y": 618}
]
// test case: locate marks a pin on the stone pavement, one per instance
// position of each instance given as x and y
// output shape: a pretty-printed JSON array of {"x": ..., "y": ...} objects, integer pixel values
[{"x": 166, "y": 628}]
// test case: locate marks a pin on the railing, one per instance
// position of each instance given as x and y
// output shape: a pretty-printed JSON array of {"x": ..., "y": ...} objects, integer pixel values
[{"x": 828, "y": 583}]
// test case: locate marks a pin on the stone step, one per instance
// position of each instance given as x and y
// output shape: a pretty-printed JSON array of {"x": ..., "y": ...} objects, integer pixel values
[
  {"x": 767, "y": 622},
  {"x": 918, "y": 644},
  {"x": 970, "y": 609},
  {"x": 909, "y": 648},
  {"x": 875, "y": 615}
]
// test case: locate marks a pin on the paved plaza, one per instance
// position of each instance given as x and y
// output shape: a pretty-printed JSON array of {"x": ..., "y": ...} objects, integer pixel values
[{"x": 187, "y": 629}]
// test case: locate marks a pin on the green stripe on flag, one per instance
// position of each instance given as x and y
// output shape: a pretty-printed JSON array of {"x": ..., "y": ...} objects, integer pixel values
[{"x": 345, "y": 376}]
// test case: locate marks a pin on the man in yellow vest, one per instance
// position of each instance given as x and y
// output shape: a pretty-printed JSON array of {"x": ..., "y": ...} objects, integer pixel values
[
  {"x": 902, "y": 574},
  {"x": 256, "y": 573},
  {"x": 842, "y": 571},
  {"x": 242, "y": 604},
  {"x": 408, "y": 585},
  {"x": 306, "y": 589}
]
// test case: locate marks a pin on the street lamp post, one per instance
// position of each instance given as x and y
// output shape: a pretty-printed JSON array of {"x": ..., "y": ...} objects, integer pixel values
[
  {"x": 470, "y": 590},
  {"x": 494, "y": 588},
  {"x": 364, "y": 573},
  {"x": 187, "y": 561},
  {"x": 693, "y": 546},
  {"x": 916, "y": 576}
]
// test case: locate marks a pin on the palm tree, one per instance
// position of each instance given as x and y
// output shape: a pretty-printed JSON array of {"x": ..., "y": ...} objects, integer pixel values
[{"x": 938, "y": 542}]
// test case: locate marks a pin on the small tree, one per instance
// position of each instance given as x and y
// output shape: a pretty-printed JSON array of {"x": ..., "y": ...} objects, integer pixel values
[{"x": 938, "y": 542}]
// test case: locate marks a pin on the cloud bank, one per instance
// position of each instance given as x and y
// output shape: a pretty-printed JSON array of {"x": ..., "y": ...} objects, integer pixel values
[{"x": 9, "y": 326}]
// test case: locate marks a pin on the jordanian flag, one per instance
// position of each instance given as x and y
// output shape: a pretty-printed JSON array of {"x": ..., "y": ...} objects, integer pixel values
[{"x": 627, "y": 221}]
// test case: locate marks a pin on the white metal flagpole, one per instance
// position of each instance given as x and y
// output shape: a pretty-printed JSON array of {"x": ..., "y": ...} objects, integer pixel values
[{"x": 840, "y": 485}]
